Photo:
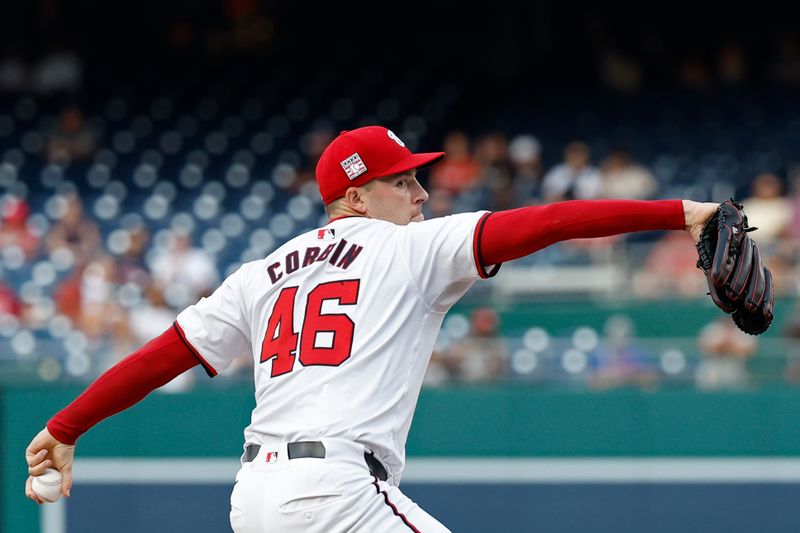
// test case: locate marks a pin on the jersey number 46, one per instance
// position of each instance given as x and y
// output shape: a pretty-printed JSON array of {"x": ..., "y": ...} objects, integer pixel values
[{"x": 280, "y": 339}]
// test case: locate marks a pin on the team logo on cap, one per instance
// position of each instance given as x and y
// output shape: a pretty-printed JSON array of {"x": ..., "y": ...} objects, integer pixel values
[
  {"x": 395, "y": 138},
  {"x": 354, "y": 166}
]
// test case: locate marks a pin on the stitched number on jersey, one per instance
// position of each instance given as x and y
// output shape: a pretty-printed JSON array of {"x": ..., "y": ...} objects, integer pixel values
[
  {"x": 280, "y": 341},
  {"x": 326, "y": 339},
  {"x": 337, "y": 327}
]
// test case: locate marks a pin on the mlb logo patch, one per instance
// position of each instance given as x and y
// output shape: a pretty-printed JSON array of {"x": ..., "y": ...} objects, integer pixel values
[
  {"x": 353, "y": 166},
  {"x": 272, "y": 457},
  {"x": 326, "y": 234}
]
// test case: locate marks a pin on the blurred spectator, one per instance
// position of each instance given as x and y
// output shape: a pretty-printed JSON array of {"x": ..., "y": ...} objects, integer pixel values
[
  {"x": 183, "y": 272},
  {"x": 791, "y": 335},
  {"x": 458, "y": 171},
  {"x": 131, "y": 263},
  {"x": 725, "y": 350},
  {"x": 491, "y": 152},
  {"x": 794, "y": 200},
  {"x": 10, "y": 303},
  {"x": 618, "y": 360},
  {"x": 480, "y": 355},
  {"x": 88, "y": 297},
  {"x": 245, "y": 27},
  {"x": 620, "y": 73},
  {"x": 772, "y": 213},
  {"x": 575, "y": 178},
  {"x": 100, "y": 312},
  {"x": 60, "y": 70},
  {"x": 439, "y": 204},
  {"x": 74, "y": 232},
  {"x": 313, "y": 144},
  {"x": 788, "y": 249},
  {"x": 14, "y": 230},
  {"x": 623, "y": 178},
  {"x": 768, "y": 209},
  {"x": 87, "y": 294},
  {"x": 670, "y": 268},
  {"x": 732, "y": 65},
  {"x": 151, "y": 317},
  {"x": 524, "y": 154},
  {"x": 67, "y": 295},
  {"x": 785, "y": 65},
  {"x": 694, "y": 74},
  {"x": 14, "y": 74},
  {"x": 72, "y": 139}
]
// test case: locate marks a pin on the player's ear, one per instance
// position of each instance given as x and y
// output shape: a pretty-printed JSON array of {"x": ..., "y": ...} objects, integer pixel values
[{"x": 355, "y": 197}]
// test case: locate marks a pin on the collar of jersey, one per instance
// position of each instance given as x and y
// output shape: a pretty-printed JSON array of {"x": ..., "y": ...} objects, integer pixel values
[{"x": 341, "y": 217}]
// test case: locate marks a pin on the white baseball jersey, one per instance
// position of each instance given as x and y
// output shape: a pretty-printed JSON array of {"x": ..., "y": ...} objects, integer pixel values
[{"x": 341, "y": 322}]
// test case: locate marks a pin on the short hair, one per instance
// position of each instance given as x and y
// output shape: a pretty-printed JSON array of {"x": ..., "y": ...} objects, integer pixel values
[{"x": 331, "y": 207}]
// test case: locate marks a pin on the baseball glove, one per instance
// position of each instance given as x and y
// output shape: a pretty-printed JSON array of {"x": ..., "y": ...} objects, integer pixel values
[{"x": 738, "y": 282}]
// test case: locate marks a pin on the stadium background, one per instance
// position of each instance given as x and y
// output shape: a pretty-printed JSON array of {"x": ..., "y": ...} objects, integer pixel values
[{"x": 598, "y": 396}]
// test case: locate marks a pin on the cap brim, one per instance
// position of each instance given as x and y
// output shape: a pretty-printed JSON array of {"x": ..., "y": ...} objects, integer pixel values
[{"x": 412, "y": 161}]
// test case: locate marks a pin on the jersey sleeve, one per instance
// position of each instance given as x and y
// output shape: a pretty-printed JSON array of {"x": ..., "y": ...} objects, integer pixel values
[
  {"x": 216, "y": 329},
  {"x": 443, "y": 256}
]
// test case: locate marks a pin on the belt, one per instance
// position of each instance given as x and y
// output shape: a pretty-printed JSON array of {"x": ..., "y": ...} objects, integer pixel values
[{"x": 316, "y": 449}]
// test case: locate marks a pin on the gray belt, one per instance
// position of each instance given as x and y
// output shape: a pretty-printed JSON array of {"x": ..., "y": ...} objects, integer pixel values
[{"x": 315, "y": 449}]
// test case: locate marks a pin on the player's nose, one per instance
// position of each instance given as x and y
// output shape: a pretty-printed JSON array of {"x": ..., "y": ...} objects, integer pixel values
[{"x": 420, "y": 194}]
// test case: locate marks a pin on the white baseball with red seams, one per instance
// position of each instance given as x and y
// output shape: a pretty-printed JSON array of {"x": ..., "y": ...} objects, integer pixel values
[
  {"x": 48, "y": 485},
  {"x": 341, "y": 323}
]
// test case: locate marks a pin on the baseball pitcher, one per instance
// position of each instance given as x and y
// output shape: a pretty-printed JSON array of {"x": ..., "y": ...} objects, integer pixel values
[{"x": 340, "y": 323}]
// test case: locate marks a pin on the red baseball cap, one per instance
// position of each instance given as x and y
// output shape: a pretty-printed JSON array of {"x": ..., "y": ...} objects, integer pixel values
[{"x": 358, "y": 156}]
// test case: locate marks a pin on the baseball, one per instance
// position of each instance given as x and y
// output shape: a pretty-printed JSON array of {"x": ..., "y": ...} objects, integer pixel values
[{"x": 48, "y": 485}]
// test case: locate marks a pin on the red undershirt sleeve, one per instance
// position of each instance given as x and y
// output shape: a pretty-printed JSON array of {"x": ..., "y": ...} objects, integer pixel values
[
  {"x": 508, "y": 235},
  {"x": 129, "y": 381}
]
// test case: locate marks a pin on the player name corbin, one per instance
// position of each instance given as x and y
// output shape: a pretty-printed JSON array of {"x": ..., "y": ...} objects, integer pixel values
[{"x": 314, "y": 254}]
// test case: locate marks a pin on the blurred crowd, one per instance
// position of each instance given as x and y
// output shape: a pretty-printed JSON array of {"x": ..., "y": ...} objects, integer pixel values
[
  {"x": 127, "y": 193},
  {"x": 224, "y": 174},
  {"x": 117, "y": 299},
  {"x": 121, "y": 289},
  {"x": 495, "y": 171}
]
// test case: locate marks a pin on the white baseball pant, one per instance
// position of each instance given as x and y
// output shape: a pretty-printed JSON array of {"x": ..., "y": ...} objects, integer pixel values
[{"x": 331, "y": 495}]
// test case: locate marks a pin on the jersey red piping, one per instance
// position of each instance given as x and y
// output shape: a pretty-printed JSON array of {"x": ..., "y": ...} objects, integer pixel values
[
  {"x": 476, "y": 249},
  {"x": 207, "y": 367}
]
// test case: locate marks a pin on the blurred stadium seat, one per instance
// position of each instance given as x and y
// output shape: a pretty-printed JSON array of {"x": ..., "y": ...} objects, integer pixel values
[{"x": 212, "y": 146}]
